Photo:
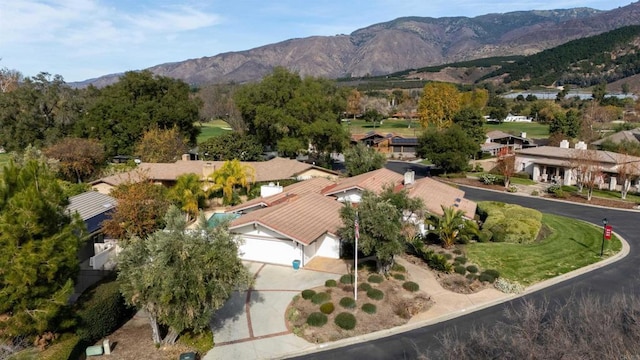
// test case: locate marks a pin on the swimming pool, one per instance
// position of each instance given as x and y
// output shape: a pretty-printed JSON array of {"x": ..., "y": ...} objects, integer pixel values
[{"x": 218, "y": 218}]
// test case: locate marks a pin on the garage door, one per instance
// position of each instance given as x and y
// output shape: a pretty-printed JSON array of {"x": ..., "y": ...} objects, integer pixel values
[{"x": 270, "y": 251}]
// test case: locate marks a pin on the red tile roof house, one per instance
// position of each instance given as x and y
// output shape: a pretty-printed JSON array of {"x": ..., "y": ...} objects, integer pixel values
[
  {"x": 300, "y": 221},
  {"x": 167, "y": 173}
]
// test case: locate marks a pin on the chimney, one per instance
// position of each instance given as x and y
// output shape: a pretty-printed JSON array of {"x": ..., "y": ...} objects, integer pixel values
[
  {"x": 581, "y": 145},
  {"x": 186, "y": 157},
  {"x": 409, "y": 177},
  {"x": 208, "y": 169},
  {"x": 523, "y": 135},
  {"x": 564, "y": 144},
  {"x": 271, "y": 189}
]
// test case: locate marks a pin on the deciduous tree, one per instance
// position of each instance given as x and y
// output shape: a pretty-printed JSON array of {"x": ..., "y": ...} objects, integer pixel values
[
  {"x": 506, "y": 167},
  {"x": 79, "y": 159},
  {"x": 140, "y": 210},
  {"x": 161, "y": 145},
  {"x": 180, "y": 277},
  {"x": 628, "y": 171},
  {"x": 587, "y": 168},
  {"x": 438, "y": 104}
]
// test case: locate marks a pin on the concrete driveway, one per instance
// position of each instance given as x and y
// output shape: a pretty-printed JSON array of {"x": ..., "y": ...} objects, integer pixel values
[{"x": 251, "y": 325}]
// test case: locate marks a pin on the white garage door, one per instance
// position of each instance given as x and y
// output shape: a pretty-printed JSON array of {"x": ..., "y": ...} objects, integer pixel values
[{"x": 270, "y": 251}]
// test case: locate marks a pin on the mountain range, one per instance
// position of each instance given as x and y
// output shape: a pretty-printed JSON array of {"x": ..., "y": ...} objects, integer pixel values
[{"x": 400, "y": 44}]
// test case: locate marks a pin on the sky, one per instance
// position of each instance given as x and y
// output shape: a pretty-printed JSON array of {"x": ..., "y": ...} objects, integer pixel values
[{"x": 84, "y": 39}]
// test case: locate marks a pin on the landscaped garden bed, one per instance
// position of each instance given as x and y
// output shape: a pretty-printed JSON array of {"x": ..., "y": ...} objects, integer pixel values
[{"x": 331, "y": 312}]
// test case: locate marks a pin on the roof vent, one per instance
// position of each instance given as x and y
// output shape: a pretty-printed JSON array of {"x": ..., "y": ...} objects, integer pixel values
[{"x": 564, "y": 144}]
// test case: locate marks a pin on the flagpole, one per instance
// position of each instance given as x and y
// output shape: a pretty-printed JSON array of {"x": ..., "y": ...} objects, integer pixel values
[{"x": 356, "y": 235}]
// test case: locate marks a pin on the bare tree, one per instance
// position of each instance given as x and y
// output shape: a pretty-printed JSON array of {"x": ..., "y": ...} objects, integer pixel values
[
  {"x": 586, "y": 166},
  {"x": 586, "y": 327},
  {"x": 506, "y": 166},
  {"x": 627, "y": 172}
]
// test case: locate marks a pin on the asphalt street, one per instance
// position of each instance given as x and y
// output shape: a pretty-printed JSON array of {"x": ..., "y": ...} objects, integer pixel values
[{"x": 616, "y": 278}]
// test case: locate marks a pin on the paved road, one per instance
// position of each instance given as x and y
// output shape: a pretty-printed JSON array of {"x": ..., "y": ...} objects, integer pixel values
[{"x": 619, "y": 277}]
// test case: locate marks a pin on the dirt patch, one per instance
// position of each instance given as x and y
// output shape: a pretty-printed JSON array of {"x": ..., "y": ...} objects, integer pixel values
[
  {"x": 133, "y": 341},
  {"x": 396, "y": 308}
]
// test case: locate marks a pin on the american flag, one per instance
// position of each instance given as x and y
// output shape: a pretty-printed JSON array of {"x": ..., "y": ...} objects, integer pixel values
[{"x": 356, "y": 227}]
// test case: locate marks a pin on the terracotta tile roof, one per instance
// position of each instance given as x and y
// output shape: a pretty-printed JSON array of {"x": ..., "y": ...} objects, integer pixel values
[
  {"x": 372, "y": 181},
  {"x": 275, "y": 169},
  {"x": 435, "y": 194},
  {"x": 303, "y": 218},
  {"x": 314, "y": 185}
]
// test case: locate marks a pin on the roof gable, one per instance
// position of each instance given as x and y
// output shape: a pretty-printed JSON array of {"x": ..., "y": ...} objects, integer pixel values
[{"x": 372, "y": 181}]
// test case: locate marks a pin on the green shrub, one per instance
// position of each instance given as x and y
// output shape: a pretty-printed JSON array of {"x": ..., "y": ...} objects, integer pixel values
[
  {"x": 447, "y": 256},
  {"x": 398, "y": 268},
  {"x": 435, "y": 261},
  {"x": 317, "y": 319},
  {"x": 460, "y": 270},
  {"x": 535, "y": 193},
  {"x": 327, "y": 308},
  {"x": 202, "y": 342},
  {"x": 308, "y": 294},
  {"x": 472, "y": 269},
  {"x": 369, "y": 308},
  {"x": 347, "y": 302},
  {"x": 488, "y": 179},
  {"x": 346, "y": 279},
  {"x": 67, "y": 347},
  {"x": 375, "y": 278},
  {"x": 398, "y": 276},
  {"x": 489, "y": 276},
  {"x": 509, "y": 223},
  {"x": 330, "y": 283},
  {"x": 457, "y": 251},
  {"x": 100, "y": 311},
  {"x": 375, "y": 294},
  {"x": 346, "y": 321},
  {"x": 411, "y": 286},
  {"x": 461, "y": 260},
  {"x": 472, "y": 277},
  {"x": 364, "y": 286},
  {"x": 512, "y": 189},
  {"x": 320, "y": 298}
]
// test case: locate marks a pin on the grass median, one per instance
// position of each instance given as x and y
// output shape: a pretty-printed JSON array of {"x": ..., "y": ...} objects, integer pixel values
[{"x": 569, "y": 245}]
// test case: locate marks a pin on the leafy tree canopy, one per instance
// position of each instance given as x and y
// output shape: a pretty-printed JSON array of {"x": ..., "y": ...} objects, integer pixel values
[
  {"x": 161, "y": 145},
  {"x": 78, "y": 158},
  {"x": 450, "y": 149},
  {"x": 438, "y": 104},
  {"x": 360, "y": 159},
  {"x": 283, "y": 106},
  {"x": 230, "y": 146},
  {"x": 181, "y": 277},
  {"x": 471, "y": 122}
]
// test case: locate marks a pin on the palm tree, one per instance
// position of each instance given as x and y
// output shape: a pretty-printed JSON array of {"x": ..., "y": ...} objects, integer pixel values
[
  {"x": 449, "y": 226},
  {"x": 188, "y": 194},
  {"x": 232, "y": 174}
]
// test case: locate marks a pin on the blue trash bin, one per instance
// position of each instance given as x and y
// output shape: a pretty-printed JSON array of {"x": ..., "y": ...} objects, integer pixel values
[{"x": 296, "y": 264}]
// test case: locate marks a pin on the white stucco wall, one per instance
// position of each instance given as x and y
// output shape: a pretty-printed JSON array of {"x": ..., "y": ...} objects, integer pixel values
[
  {"x": 328, "y": 246},
  {"x": 353, "y": 196}
]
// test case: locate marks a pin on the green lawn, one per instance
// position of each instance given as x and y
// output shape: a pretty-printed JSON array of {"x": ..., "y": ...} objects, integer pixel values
[
  {"x": 397, "y": 126},
  {"x": 607, "y": 194},
  {"x": 534, "y": 130},
  {"x": 572, "y": 244},
  {"x": 211, "y": 129}
]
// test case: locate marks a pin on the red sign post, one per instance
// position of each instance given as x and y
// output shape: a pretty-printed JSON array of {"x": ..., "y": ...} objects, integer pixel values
[{"x": 608, "y": 229}]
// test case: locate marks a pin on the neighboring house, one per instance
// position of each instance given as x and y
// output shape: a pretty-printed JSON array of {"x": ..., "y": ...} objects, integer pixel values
[
  {"x": 630, "y": 136},
  {"x": 389, "y": 144},
  {"x": 300, "y": 221},
  {"x": 512, "y": 118},
  {"x": 97, "y": 253},
  {"x": 500, "y": 143},
  {"x": 557, "y": 164},
  {"x": 167, "y": 173}
]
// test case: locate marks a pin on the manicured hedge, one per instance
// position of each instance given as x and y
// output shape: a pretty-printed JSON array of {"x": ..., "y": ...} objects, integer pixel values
[
  {"x": 369, "y": 308},
  {"x": 308, "y": 294},
  {"x": 364, "y": 286},
  {"x": 399, "y": 276},
  {"x": 64, "y": 349},
  {"x": 317, "y": 319},
  {"x": 347, "y": 302},
  {"x": 330, "y": 283},
  {"x": 375, "y": 278},
  {"x": 375, "y": 294},
  {"x": 411, "y": 286},
  {"x": 320, "y": 298},
  {"x": 101, "y": 311},
  {"x": 346, "y": 279},
  {"x": 327, "y": 308},
  {"x": 509, "y": 223}
]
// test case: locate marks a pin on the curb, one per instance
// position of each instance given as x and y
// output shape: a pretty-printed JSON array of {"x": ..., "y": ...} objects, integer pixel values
[{"x": 454, "y": 314}]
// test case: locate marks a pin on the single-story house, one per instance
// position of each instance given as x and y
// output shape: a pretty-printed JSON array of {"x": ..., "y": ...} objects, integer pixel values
[
  {"x": 300, "y": 221},
  {"x": 630, "y": 136},
  {"x": 499, "y": 143},
  {"x": 557, "y": 164},
  {"x": 167, "y": 173},
  {"x": 389, "y": 144}
]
